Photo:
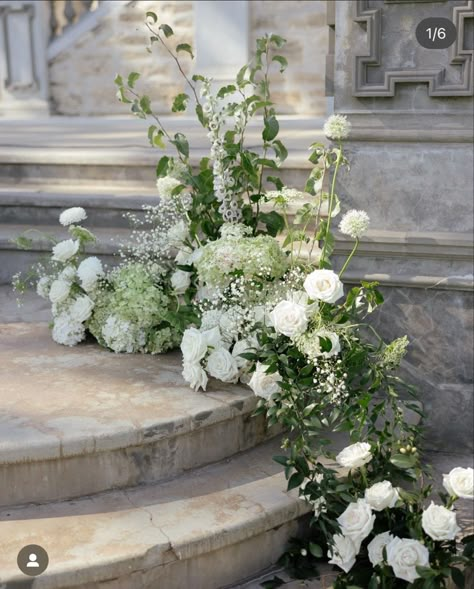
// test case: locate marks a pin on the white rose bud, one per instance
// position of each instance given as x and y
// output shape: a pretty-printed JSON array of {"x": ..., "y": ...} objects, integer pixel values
[
  {"x": 193, "y": 346},
  {"x": 343, "y": 553},
  {"x": 59, "y": 291},
  {"x": 289, "y": 318},
  {"x": 64, "y": 250},
  {"x": 324, "y": 285},
  {"x": 376, "y": 546},
  {"x": 357, "y": 521},
  {"x": 460, "y": 482},
  {"x": 81, "y": 309},
  {"x": 404, "y": 555},
  {"x": 222, "y": 365},
  {"x": 381, "y": 495},
  {"x": 180, "y": 281},
  {"x": 195, "y": 375},
  {"x": 439, "y": 523},
  {"x": 355, "y": 456},
  {"x": 263, "y": 384}
]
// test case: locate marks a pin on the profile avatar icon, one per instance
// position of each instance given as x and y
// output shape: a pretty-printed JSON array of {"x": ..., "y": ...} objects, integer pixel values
[{"x": 32, "y": 561}]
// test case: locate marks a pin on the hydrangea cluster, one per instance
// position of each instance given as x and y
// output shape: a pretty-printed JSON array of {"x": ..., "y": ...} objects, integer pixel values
[{"x": 285, "y": 197}]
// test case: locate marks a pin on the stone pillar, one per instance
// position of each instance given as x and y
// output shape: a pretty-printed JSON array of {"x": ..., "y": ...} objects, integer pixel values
[
  {"x": 411, "y": 157},
  {"x": 23, "y": 67}
]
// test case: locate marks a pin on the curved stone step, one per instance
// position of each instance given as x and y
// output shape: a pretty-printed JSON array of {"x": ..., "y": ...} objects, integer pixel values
[
  {"x": 204, "y": 530},
  {"x": 77, "y": 421}
]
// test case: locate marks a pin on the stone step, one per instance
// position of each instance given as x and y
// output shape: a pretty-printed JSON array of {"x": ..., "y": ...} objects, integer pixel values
[
  {"x": 78, "y": 421},
  {"x": 203, "y": 530}
]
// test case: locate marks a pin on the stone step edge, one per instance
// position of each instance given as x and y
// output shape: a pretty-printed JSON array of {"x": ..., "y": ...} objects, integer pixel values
[{"x": 227, "y": 507}]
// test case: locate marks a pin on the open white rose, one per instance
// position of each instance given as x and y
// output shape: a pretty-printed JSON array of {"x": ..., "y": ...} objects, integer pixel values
[
  {"x": 195, "y": 375},
  {"x": 460, "y": 482},
  {"x": 355, "y": 456},
  {"x": 335, "y": 343},
  {"x": 404, "y": 555},
  {"x": 289, "y": 318},
  {"x": 357, "y": 521},
  {"x": 343, "y": 553},
  {"x": 222, "y": 365},
  {"x": 89, "y": 272},
  {"x": 64, "y": 250},
  {"x": 59, "y": 291},
  {"x": 376, "y": 545},
  {"x": 213, "y": 337},
  {"x": 180, "y": 281},
  {"x": 381, "y": 495},
  {"x": 81, "y": 309},
  {"x": 263, "y": 384},
  {"x": 302, "y": 298},
  {"x": 324, "y": 285},
  {"x": 193, "y": 346},
  {"x": 439, "y": 522}
]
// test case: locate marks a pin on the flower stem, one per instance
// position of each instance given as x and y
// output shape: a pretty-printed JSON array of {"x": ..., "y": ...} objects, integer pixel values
[
  {"x": 354, "y": 249},
  {"x": 331, "y": 201}
]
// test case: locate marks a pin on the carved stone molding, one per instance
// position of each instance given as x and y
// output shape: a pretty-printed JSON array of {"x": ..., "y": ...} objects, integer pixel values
[{"x": 460, "y": 57}]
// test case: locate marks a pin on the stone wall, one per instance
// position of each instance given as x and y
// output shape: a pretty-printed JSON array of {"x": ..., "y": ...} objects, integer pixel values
[{"x": 79, "y": 74}]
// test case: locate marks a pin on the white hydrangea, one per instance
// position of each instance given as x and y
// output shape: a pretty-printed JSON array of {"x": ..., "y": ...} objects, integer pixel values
[
  {"x": 72, "y": 216},
  {"x": 65, "y": 250},
  {"x": 354, "y": 223},
  {"x": 166, "y": 185},
  {"x": 89, "y": 272},
  {"x": 67, "y": 331},
  {"x": 337, "y": 127},
  {"x": 122, "y": 336},
  {"x": 43, "y": 286}
]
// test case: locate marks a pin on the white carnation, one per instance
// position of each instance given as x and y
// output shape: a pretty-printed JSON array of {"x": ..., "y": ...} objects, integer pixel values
[
  {"x": 324, "y": 285},
  {"x": 67, "y": 331},
  {"x": 263, "y": 384},
  {"x": 460, "y": 482},
  {"x": 404, "y": 555},
  {"x": 343, "y": 553},
  {"x": 222, "y": 365},
  {"x": 337, "y": 127},
  {"x": 354, "y": 223},
  {"x": 64, "y": 250},
  {"x": 166, "y": 185},
  {"x": 43, "y": 286},
  {"x": 59, "y": 291},
  {"x": 72, "y": 215},
  {"x": 289, "y": 318},
  {"x": 81, "y": 309},
  {"x": 376, "y": 546},
  {"x": 195, "y": 375},
  {"x": 180, "y": 281},
  {"x": 355, "y": 455},
  {"x": 357, "y": 521},
  {"x": 439, "y": 522},
  {"x": 89, "y": 272},
  {"x": 381, "y": 495},
  {"x": 193, "y": 346}
]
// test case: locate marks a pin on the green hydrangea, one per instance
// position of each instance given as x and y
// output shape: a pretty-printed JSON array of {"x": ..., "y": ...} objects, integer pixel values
[{"x": 394, "y": 352}]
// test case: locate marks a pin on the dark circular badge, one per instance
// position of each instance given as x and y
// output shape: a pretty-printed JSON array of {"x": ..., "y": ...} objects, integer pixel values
[
  {"x": 436, "y": 33},
  {"x": 32, "y": 560}
]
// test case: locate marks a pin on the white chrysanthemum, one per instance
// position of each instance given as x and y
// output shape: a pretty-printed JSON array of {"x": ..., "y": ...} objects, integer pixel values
[
  {"x": 68, "y": 274},
  {"x": 67, "y": 331},
  {"x": 354, "y": 223},
  {"x": 72, "y": 216},
  {"x": 64, "y": 250},
  {"x": 123, "y": 336},
  {"x": 81, "y": 309},
  {"x": 43, "y": 286},
  {"x": 89, "y": 272},
  {"x": 337, "y": 127},
  {"x": 166, "y": 185},
  {"x": 59, "y": 291}
]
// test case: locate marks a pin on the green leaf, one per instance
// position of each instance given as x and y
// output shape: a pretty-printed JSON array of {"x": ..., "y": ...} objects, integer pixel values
[
  {"x": 273, "y": 221},
  {"x": 230, "y": 89},
  {"x": 280, "y": 150},
  {"x": 181, "y": 144},
  {"x": 276, "y": 181},
  {"x": 458, "y": 578},
  {"x": 185, "y": 47},
  {"x": 200, "y": 115},
  {"x": 240, "y": 79},
  {"x": 158, "y": 140},
  {"x": 271, "y": 128},
  {"x": 121, "y": 95},
  {"x": 316, "y": 550},
  {"x": 282, "y": 61},
  {"x": 132, "y": 78},
  {"x": 118, "y": 80},
  {"x": 162, "y": 166},
  {"x": 403, "y": 460},
  {"x": 22, "y": 242},
  {"x": 167, "y": 30},
  {"x": 152, "y": 16},
  {"x": 180, "y": 103},
  {"x": 295, "y": 480},
  {"x": 145, "y": 104},
  {"x": 277, "y": 41},
  {"x": 283, "y": 460}
]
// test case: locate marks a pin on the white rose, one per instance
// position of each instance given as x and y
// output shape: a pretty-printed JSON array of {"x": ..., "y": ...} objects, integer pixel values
[
  {"x": 43, "y": 286},
  {"x": 343, "y": 553},
  {"x": 59, "y": 291},
  {"x": 355, "y": 455},
  {"x": 301, "y": 297},
  {"x": 222, "y": 365},
  {"x": 64, "y": 250},
  {"x": 439, "y": 522},
  {"x": 381, "y": 495},
  {"x": 263, "y": 384},
  {"x": 324, "y": 285},
  {"x": 376, "y": 546},
  {"x": 404, "y": 555},
  {"x": 81, "y": 309},
  {"x": 180, "y": 281},
  {"x": 460, "y": 482},
  {"x": 212, "y": 337},
  {"x": 193, "y": 346},
  {"x": 241, "y": 347},
  {"x": 89, "y": 272},
  {"x": 335, "y": 343},
  {"x": 195, "y": 375},
  {"x": 357, "y": 521},
  {"x": 289, "y": 318},
  {"x": 72, "y": 215}
]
